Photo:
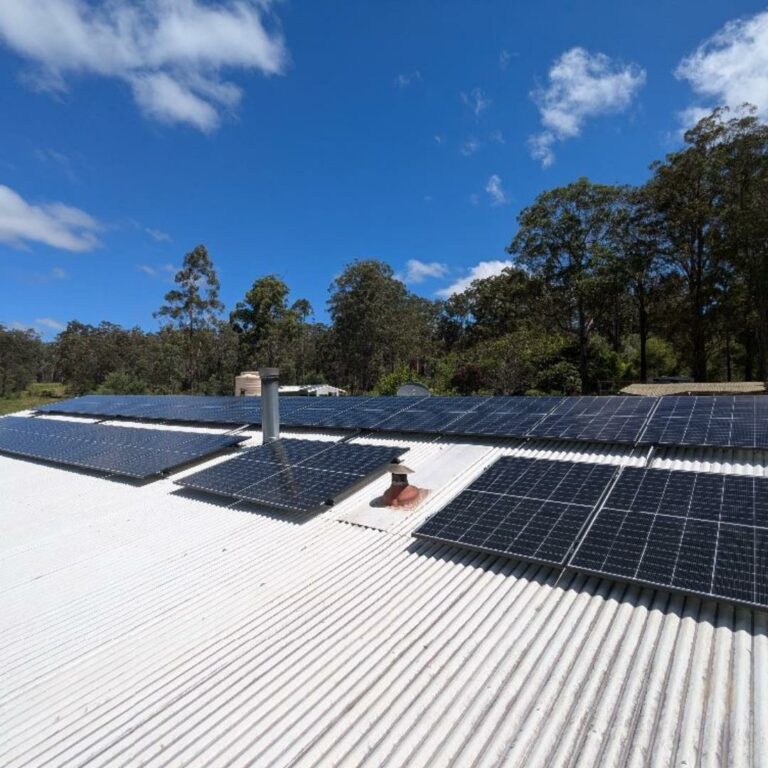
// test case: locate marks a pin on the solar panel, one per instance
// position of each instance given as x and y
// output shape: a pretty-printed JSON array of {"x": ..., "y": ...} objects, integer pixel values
[
  {"x": 600, "y": 419},
  {"x": 298, "y": 475},
  {"x": 503, "y": 416},
  {"x": 702, "y": 533},
  {"x": 527, "y": 508},
  {"x": 724, "y": 421},
  {"x": 127, "y": 451},
  {"x": 431, "y": 414},
  {"x": 368, "y": 412}
]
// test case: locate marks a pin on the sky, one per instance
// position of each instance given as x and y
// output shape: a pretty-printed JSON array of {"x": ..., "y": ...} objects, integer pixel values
[{"x": 292, "y": 138}]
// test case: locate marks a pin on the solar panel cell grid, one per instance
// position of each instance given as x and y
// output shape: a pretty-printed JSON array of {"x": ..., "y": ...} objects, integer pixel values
[
  {"x": 533, "y": 509},
  {"x": 298, "y": 475},
  {"x": 131, "y": 452},
  {"x": 695, "y": 532}
]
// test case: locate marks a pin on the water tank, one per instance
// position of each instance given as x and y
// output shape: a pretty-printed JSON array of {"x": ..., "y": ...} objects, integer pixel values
[
  {"x": 412, "y": 390},
  {"x": 248, "y": 383}
]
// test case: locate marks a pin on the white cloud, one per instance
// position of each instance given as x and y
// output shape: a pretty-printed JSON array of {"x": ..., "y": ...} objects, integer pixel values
[
  {"x": 158, "y": 235},
  {"x": 170, "y": 52},
  {"x": 43, "y": 325},
  {"x": 54, "y": 224},
  {"x": 50, "y": 323},
  {"x": 418, "y": 271},
  {"x": 57, "y": 273},
  {"x": 404, "y": 79},
  {"x": 581, "y": 85},
  {"x": 476, "y": 100},
  {"x": 162, "y": 271},
  {"x": 60, "y": 160},
  {"x": 480, "y": 271},
  {"x": 730, "y": 68},
  {"x": 504, "y": 58},
  {"x": 495, "y": 191},
  {"x": 469, "y": 147}
]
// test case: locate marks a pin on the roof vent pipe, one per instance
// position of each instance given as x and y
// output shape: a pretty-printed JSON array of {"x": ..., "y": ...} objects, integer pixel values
[{"x": 270, "y": 405}]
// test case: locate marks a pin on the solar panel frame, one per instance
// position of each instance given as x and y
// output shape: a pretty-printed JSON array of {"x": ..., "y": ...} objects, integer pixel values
[
  {"x": 528, "y": 509},
  {"x": 289, "y": 474},
  {"x": 602, "y": 419},
  {"x": 126, "y": 451},
  {"x": 727, "y": 421},
  {"x": 698, "y": 533},
  {"x": 504, "y": 416}
]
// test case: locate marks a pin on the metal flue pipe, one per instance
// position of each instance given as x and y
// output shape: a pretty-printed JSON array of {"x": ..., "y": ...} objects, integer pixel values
[{"x": 270, "y": 404}]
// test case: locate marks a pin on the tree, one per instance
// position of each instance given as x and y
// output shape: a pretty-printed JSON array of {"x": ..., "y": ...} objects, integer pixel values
[
  {"x": 685, "y": 190},
  {"x": 637, "y": 244},
  {"x": 562, "y": 239},
  {"x": 376, "y": 324},
  {"x": 272, "y": 332},
  {"x": 742, "y": 158},
  {"x": 20, "y": 355},
  {"x": 193, "y": 307}
]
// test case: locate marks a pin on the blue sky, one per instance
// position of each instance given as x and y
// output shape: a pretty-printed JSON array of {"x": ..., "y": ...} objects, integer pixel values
[{"x": 294, "y": 137}]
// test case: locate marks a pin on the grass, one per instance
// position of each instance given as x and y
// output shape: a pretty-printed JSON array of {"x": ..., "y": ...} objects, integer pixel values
[{"x": 33, "y": 396}]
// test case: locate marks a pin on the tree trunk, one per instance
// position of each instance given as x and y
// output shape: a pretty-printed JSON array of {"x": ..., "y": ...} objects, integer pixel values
[
  {"x": 642, "y": 327},
  {"x": 582, "y": 349},
  {"x": 761, "y": 304}
]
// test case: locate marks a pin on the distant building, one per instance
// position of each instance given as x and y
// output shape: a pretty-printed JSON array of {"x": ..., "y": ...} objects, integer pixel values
[{"x": 312, "y": 390}]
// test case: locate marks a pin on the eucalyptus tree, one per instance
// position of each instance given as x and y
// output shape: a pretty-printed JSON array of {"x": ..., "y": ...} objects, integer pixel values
[
  {"x": 635, "y": 257},
  {"x": 272, "y": 331},
  {"x": 742, "y": 164},
  {"x": 193, "y": 307},
  {"x": 686, "y": 191},
  {"x": 563, "y": 239}
]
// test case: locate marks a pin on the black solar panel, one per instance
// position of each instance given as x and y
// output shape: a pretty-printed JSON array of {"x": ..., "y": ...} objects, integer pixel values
[
  {"x": 600, "y": 419},
  {"x": 527, "y": 508},
  {"x": 431, "y": 414},
  {"x": 726, "y": 421},
  {"x": 368, "y": 412},
  {"x": 298, "y": 475},
  {"x": 127, "y": 451},
  {"x": 503, "y": 416},
  {"x": 694, "y": 532}
]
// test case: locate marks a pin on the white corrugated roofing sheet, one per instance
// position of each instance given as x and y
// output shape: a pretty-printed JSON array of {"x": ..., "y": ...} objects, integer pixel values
[{"x": 150, "y": 626}]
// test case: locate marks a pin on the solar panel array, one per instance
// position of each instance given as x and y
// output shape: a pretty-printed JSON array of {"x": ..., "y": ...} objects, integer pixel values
[
  {"x": 740, "y": 421},
  {"x": 297, "y": 475},
  {"x": 699, "y": 533},
  {"x": 695, "y": 532},
  {"x": 524, "y": 508},
  {"x": 127, "y": 451}
]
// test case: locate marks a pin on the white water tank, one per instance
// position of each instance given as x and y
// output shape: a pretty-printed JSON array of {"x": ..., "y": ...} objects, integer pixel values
[{"x": 248, "y": 383}]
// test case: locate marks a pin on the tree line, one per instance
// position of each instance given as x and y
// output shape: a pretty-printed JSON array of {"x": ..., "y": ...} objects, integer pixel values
[{"x": 607, "y": 284}]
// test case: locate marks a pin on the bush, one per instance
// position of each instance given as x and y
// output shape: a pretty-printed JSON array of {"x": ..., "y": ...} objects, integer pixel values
[
  {"x": 389, "y": 382},
  {"x": 120, "y": 383}
]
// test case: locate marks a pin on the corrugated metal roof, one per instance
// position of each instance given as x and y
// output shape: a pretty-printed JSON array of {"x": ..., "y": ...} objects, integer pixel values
[
  {"x": 147, "y": 625},
  {"x": 696, "y": 388}
]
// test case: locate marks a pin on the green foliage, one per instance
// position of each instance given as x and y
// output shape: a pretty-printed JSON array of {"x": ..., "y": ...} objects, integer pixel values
[
  {"x": 21, "y": 353},
  {"x": 389, "y": 383},
  {"x": 272, "y": 333},
  {"x": 122, "y": 383},
  {"x": 561, "y": 378}
]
